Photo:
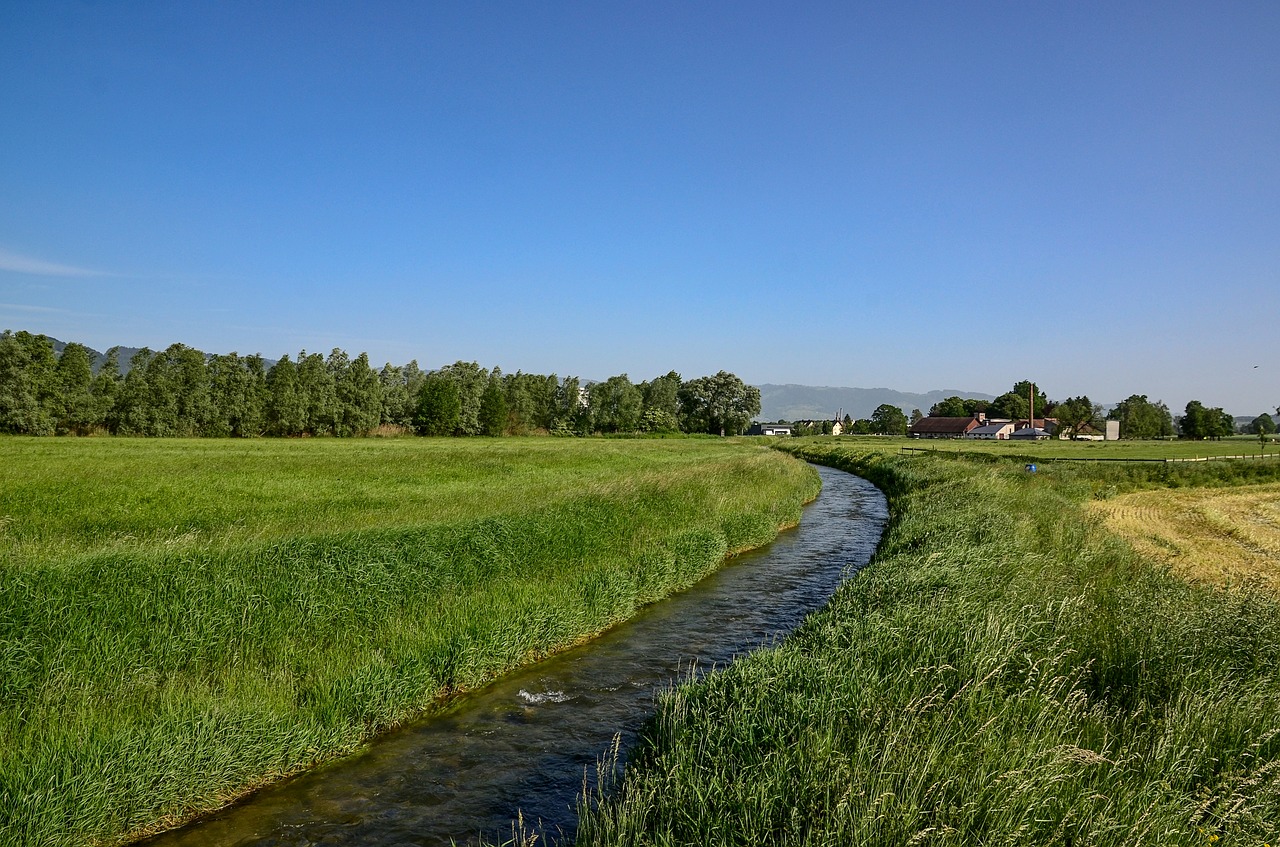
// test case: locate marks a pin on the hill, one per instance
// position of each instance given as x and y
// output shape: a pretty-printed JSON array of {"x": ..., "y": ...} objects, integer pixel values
[{"x": 805, "y": 402}]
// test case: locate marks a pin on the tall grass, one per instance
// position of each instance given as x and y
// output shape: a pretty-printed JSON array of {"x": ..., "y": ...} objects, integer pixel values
[
  {"x": 1004, "y": 672},
  {"x": 194, "y": 619}
]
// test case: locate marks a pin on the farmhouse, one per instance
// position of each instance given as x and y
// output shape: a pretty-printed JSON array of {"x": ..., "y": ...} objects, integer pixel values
[
  {"x": 939, "y": 427},
  {"x": 992, "y": 431},
  {"x": 769, "y": 429}
]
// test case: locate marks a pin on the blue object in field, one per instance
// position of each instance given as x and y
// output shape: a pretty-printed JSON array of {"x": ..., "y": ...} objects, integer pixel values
[{"x": 1031, "y": 468}]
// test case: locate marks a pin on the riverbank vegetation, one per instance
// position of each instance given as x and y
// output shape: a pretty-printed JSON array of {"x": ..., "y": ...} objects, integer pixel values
[
  {"x": 1006, "y": 671},
  {"x": 183, "y": 620}
]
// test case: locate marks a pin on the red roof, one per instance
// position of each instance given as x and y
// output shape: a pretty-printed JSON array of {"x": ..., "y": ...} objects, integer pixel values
[{"x": 943, "y": 426}]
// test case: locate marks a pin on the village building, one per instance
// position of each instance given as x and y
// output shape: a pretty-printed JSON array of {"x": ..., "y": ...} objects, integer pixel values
[
  {"x": 992, "y": 431},
  {"x": 769, "y": 429},
  {"x": 940, "y": 427}
]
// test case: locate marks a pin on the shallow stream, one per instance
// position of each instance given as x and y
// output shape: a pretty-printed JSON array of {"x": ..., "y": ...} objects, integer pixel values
[{"x": 525, "y": 742}]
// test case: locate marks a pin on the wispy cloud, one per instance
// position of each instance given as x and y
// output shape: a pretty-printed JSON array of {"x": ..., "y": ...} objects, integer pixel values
[
  {"x": 20, "y": 307},
  {"x": 17, "y": 263}
]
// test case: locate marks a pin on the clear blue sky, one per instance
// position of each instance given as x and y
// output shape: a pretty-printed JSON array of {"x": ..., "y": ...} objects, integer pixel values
[{"x": 910, "y": 195}]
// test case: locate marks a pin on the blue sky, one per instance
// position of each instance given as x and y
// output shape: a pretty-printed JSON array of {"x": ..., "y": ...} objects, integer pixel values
[{"x": 910, "y": 195}]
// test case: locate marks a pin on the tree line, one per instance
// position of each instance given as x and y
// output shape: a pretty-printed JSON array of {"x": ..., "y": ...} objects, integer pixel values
[
  {"x": 1139, "y": 417},
  {"x": 181, "y": 391}
]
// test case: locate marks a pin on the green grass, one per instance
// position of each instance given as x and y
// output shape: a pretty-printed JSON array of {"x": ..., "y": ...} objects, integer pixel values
[
  {"x": 1055, "y": 449},
  {"x": 183, "y": 620},
  {"x": 1005, "y": 672}
]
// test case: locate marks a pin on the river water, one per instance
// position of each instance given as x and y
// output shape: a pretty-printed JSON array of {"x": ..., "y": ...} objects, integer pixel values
[{"x": 525, "y": 742}]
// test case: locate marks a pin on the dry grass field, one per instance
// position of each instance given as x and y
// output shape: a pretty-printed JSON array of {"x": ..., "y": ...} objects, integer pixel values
[{"x": 1224, "y": 536}]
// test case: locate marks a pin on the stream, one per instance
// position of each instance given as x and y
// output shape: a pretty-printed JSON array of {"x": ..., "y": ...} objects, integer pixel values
[{"x": 525, "y": 742}]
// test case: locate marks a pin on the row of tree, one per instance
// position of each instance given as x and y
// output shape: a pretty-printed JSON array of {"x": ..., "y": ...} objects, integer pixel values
[
  {"x": 181, "y": 391},
  {"x": 1139, "y": 417}
]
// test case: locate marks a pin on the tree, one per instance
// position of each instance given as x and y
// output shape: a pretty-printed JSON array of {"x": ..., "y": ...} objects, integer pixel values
[
  {"x": 359, "y": 397},
  {"x": 888, "y": 419},
  {"x": 318, "y": 392},
  {"x": 1140, "y": 418},
  {"x": 1199, "y": 421},
  {"x": 720, "y": 404},
  {"x": 1009, "y": 406},
  {"x": 27, "y": 383},
  {"x": 75, "y": 410},
  {"x": 439, "y": 409},
  {"x": 1075, "y": 414},
  {"x": 492, "y": 415},
  {"x": 662, "y": 394},
  {"x": 104, "y": 387},
  {"x": 286, "y": 412},
  {"x": 916, "y": 415},
  {"x": 951, "y": 407},
  {"x": 1262, "y": 425},
  {"x": 615, "y": 405},
  {"x": 470, "y": 380}
]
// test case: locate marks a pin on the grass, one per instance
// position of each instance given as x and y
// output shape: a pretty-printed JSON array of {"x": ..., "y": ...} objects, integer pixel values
[
  {"x": 181, "y": 621},
  {"x": 1051, "y": 449},
  {"x": 1219, "y": 536},
  {"x": 1006, "y": 671}
]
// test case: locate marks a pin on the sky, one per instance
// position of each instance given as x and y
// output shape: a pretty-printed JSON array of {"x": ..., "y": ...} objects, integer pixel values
[{"x": 917, "y": 195}]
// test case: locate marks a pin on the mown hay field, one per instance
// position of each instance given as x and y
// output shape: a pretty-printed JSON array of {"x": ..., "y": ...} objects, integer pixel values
[
  {"x": 1226, "y": 537},
  {"x": 181, "y": 621}
]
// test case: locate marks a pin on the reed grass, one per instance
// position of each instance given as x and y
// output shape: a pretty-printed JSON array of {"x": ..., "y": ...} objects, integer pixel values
[
  {"x": 183, "y": 621},
  {"x": 1005, "y": 672}
]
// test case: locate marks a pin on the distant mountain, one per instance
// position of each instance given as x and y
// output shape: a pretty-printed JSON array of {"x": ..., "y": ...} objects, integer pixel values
[
  {"x": 125, "y": 354},
  {"x": 810, "y": 402}
]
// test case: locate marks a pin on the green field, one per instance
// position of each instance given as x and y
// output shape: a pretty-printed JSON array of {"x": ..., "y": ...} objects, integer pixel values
[
  {"x": 181, "y": 621},
  {"x": 1055, "y": 449},
  {"x": 1005, "y": 672}
]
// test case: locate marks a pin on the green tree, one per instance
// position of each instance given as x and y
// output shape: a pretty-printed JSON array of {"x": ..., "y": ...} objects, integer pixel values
[
  {"x": 1140, "y": 418},
  {"x": 720, "y": 404},
  {"x": 662, "y": 394},
  {"x": 471, "y": 380},
  {"x": 888, "y": 419},
  {"x": 1009, "y": 406},
  {"x": 951, "y": 407},
  {"x": 104, "y": 387},
  {"x": 1263, "y": 424},
  {"x": 358, "y": 393},
  {"x": 916, "y": 415},
  {"x": 75, "y": 409},
  {"x": 1199, "y": 422},
  {"x": 286, "y": 404},
  {"x": 318, "y": 392},
  {"x": 28, "y": 384},
  {"x": 493, "y": 407},
  {"x": 615, "y": 405},
  {"x": 238, "y": 395},
  {"x": 439, "y": 407},
  {"x": 1076, "y": 413}
]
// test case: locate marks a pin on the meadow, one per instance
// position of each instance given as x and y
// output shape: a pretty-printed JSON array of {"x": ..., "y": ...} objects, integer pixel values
[
  {"x": 1006, "y": 671},
  {"x": 181, "y": 621},
  {"x": 1220, "y": 536}
]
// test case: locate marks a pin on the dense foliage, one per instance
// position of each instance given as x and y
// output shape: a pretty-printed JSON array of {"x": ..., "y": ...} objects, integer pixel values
[{"x": 181, "y": 391}]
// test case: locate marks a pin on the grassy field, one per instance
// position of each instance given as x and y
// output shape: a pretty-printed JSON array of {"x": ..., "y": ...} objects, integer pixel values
[
  {"x": 1055, "y": 449},
  {"x": 1006, "y": 672},
  {"x": 183, "y": 620},
  {"x": 1220, "y": 536}
]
